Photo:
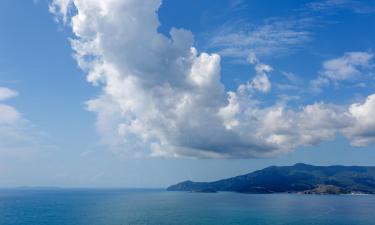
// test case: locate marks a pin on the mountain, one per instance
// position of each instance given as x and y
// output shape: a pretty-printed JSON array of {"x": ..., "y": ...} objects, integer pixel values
[{"x": 299, "y": 178}]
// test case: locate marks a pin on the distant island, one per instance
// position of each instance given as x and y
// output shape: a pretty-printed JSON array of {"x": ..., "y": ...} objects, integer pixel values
[{"x": 299, "y": 178}]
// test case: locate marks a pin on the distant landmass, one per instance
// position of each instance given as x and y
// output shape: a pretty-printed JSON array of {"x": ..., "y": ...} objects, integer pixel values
[{"x": 299, "y": 178}]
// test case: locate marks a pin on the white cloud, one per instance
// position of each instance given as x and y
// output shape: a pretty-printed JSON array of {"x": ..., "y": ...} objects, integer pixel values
[
  {"x": 309, "y": 126},
  {"x": 6, "y": 93},
  {"x": 362, "y": 131},
  {"x": 60, "y": 7},
  {"x": 260, "y": 81},
  {"x": 8, "y": 115},
  {"x": 349, "y": 67},
  {"x": 161, "y": 97},
  {"x": 229, "y": 112}
]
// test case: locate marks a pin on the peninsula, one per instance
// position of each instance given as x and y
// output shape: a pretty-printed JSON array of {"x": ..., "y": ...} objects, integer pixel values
[{"x": 299, "y": 178}]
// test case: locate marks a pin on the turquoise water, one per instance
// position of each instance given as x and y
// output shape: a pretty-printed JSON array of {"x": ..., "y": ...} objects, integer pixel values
[{"x": 154, "y": 207}]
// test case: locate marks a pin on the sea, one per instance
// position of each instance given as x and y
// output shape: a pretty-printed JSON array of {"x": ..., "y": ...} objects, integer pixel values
[{"x": 160, "y": 207}]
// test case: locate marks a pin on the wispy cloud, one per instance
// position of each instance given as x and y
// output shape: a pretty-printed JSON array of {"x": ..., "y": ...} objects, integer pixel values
[
  {"x": 291, "y": 82},
  {"x": 277, "y": 36},
  {"x": 360, "y": 7},
  {"x": 18, "y": 136},
  {"x": 236, "y": 5},
  {"x": 274, "y": 36},
  {"x": 8, "y": 114}
]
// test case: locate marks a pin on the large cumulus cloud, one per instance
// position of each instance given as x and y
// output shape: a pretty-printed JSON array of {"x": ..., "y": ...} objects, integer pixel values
[
  {"x": 161, "y": 97},
  {"x": 362, "y": 130}
]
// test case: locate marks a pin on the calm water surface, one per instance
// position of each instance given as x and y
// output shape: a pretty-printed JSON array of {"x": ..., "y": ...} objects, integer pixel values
[{"x": 154, "y": 207}]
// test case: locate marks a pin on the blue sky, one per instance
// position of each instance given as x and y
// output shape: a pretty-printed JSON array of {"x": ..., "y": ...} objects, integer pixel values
[{"x": 118, "y": 100}]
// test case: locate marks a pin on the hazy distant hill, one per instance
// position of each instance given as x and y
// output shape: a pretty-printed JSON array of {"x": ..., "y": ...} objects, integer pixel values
[{"x": 297, "y": 178}]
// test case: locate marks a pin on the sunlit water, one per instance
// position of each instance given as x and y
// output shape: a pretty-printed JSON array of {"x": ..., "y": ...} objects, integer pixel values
[{"x": 154, "y": 207}]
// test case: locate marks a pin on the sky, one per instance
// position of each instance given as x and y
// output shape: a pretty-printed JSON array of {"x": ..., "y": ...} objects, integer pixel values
[{"x": 124, "y": 93}]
